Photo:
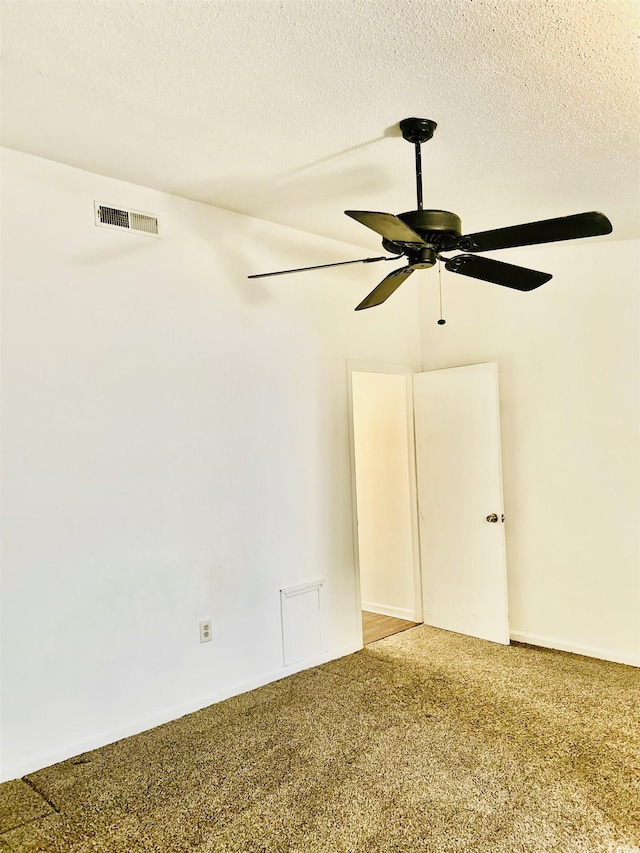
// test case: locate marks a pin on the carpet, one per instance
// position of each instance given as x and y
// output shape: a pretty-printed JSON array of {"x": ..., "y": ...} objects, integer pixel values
[{"x": 424, "y": 741}]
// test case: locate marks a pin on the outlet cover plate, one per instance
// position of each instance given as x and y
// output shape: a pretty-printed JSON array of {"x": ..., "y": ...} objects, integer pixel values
[{"x": 205, "y": 631}]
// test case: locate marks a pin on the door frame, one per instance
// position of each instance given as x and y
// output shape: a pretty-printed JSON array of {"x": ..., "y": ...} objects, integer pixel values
[{"x": 406, "y": 370}]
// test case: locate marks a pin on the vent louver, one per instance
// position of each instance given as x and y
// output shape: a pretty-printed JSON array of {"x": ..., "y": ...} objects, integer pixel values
[{"x": 128, "y": 220}]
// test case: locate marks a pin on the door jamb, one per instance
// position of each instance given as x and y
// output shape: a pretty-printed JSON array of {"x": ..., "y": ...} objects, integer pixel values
[{"x": 406, "y": 370}]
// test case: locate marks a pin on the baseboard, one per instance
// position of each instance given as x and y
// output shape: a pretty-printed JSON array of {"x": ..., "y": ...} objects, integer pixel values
[
  {"x": 69, "y": 750},
  {"x": 386, "y": 610},
  {"x": 575, "y": 648}
]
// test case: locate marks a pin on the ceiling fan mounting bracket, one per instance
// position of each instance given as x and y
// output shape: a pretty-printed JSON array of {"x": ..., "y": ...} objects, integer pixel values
[{"x": 417, "y": 129}]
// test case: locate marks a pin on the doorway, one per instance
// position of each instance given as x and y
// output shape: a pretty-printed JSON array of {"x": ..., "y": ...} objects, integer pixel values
[
  {"x": 436, "y": 433},
  {"x": 386, "y": 529}
]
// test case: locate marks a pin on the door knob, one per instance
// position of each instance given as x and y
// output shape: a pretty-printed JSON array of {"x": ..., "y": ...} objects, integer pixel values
[{"x": 493, "y": 518}]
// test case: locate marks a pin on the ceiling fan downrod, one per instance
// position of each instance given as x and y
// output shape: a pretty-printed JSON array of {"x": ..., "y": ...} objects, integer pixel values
[{"x": 417, "y": 131}]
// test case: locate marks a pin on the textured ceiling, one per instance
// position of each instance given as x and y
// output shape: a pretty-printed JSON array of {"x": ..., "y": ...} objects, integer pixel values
[{"x": 287, "y": 109}]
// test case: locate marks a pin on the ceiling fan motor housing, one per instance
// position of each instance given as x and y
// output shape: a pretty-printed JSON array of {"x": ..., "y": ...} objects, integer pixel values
[{"x": 439, "y": 229}]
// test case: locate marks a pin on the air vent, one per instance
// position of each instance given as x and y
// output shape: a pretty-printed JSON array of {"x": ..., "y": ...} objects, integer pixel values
[{"x": 127, "y": 220}]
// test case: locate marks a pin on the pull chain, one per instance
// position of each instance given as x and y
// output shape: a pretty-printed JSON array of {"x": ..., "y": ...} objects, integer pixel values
[{"x": 441, "y": 322}]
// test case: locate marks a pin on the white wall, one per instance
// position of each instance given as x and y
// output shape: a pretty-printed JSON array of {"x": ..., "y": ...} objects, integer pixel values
[
  {"x": 569, "y": 385},
  {"x": 175, "y": 447},
  {"x": 382, "y": 459}
]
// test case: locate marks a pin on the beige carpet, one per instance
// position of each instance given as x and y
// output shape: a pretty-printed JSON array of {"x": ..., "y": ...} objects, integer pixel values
[{"x": 424, "y": 741}]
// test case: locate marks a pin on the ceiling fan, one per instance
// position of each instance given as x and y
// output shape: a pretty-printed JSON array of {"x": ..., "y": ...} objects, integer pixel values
[{"x": 422, "y": 235}]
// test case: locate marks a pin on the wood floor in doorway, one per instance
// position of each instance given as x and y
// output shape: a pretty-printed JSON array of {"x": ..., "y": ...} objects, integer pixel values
[{"x": 377, "y": 627}]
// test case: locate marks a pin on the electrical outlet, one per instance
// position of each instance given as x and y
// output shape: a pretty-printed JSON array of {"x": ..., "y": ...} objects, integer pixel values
[{"x": 205, "y": 631}]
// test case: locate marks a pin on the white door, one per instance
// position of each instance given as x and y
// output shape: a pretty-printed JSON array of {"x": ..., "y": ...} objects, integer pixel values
[{"x": 457, "y": 428}]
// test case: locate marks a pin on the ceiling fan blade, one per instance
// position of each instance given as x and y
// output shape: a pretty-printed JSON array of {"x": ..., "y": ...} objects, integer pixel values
[
  {"x": 322, "y": 266},
  {"x": 486, "y": 269},
  {"x": 590, "y": 224},
  {"x": 386, "y": 287},
  {"x": 388, "y": 226}
]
